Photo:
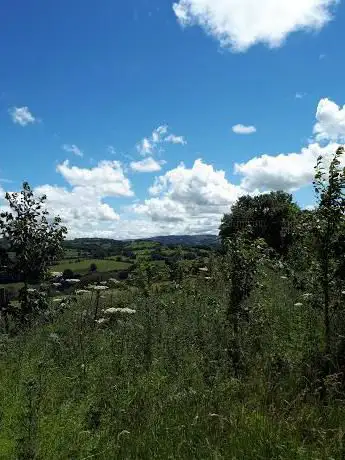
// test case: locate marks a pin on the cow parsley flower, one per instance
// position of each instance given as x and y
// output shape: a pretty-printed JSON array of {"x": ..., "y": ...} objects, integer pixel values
[
  {"x": 99, "y": 288},
  {"x": 113, "y": 310},
  {"x": 101, "y": 320}
]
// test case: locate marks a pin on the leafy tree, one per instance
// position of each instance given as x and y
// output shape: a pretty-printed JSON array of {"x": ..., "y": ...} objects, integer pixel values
[
  {"x": 33, "y": 238},
  {"x": 93, "y": 267},
  {"x": 328, "y": 228},
  {"x": 270, "y": 216},
  {"x": 68, "y": 274}
]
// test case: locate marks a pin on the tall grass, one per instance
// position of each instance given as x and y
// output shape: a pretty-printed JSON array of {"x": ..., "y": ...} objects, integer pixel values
[{"x": 159, "y": 383}]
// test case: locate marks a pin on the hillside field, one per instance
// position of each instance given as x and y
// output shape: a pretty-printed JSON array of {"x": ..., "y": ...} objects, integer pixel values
[{"x": 84, "y": 265}]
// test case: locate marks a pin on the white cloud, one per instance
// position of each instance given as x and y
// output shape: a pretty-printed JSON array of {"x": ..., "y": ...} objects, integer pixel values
[
  {"x": 240, "y": 24},
  {"x": 300, "y": 95},
  {"x": 288, "y": 172},
  {"x": 82, "y": 208},
  {"x": 242, "y": 129},
  {"x": 149, "y": 146},
  {"x": 175, "y": 139},
  {"x": 105, "y": 179},
  {"x": 146, "y": 165},
  {"x": 22, "y": 116},
  {"x": 194, "y": 198},
  {"x": 145, "y": 147},
  {"x": 330, "y": 123},
  {"x": 72, "y": 148},
  {"x": 80, "y": 204}
]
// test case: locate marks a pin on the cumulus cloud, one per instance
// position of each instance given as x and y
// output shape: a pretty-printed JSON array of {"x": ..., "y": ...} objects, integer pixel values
[
  {"x": 240, "y": 24},
  {"x": 82, "y": 207},
  {"x": 242, "y": 129},
  {"x": 22, "y": 116},
  {"x": 105, "y": 179},
  {"x": 194, "y": 197},
  {"x": 72, "y": 148},
  {"x": 80, "y": 204},
  {"x": 150, "y": 145},
  {"x": 146, "y": 165},
  {"x": 330, "y": 123},
  {"x": 286, "y": 171}
]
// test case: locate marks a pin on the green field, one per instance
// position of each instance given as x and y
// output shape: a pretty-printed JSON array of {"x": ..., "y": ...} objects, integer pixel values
[{"x": 84, "y": 265}]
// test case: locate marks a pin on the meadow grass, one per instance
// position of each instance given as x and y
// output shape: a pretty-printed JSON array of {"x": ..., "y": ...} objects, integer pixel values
[
  {"x": 103, "y": 265},
  {"x": 159, "y": 384}
]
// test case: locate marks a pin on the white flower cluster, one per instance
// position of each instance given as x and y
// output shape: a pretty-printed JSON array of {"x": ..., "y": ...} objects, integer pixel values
[
  {"x": 113, "y": 310},
  {"x": 98, "y": 288},
  {"x": 113, "y": 280}
]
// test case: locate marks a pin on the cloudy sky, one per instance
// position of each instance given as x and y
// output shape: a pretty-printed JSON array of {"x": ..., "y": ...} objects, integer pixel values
[{"x": 147, "y": 117}]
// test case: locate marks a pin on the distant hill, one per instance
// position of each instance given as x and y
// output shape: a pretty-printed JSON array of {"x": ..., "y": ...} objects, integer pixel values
[
  {"x": 186, "y": 240},
  {"x": 170, "y": 240}
]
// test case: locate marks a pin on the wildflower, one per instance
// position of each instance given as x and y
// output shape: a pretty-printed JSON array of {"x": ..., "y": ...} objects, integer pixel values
[
  {"x": 203, "y": 269},
  {"x": 343, "y": 292},
  {"x": 208, "y": 278},
  {"x": 57, "y": 299},
  {"x": 56, "y": 274},
  {"x": 101, "y": 320},
  {"x": 283, "y": 277},
  {"x": 32, "y": 290},
  {"x": 113, "y": 280},
  {"x": 72, "y": 281},
  {"x": 99, "y": 288},
  {"x": 57, "y": 285},
  {"x": 307, "y": 295},
  {"x": 112, "y": 310},
  {"x": 298, "y": 304},
  {"x": 103, "y": 282},
  {"x": 82, "y": 291}
]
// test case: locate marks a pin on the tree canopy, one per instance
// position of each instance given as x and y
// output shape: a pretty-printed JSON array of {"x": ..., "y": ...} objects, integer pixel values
[{"x": 270, "y": 216}]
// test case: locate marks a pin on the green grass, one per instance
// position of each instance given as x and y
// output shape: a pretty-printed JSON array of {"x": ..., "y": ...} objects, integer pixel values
[
  {"x": 159, "y": 384},
  {"x": 83, "y": 266}
]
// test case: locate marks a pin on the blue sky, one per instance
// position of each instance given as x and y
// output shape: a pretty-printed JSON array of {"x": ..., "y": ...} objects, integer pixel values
[{"x": 126, "y": 91}]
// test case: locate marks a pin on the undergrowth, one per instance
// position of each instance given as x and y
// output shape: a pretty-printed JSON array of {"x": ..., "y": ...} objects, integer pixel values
[{"x": 159, "y": 383}]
